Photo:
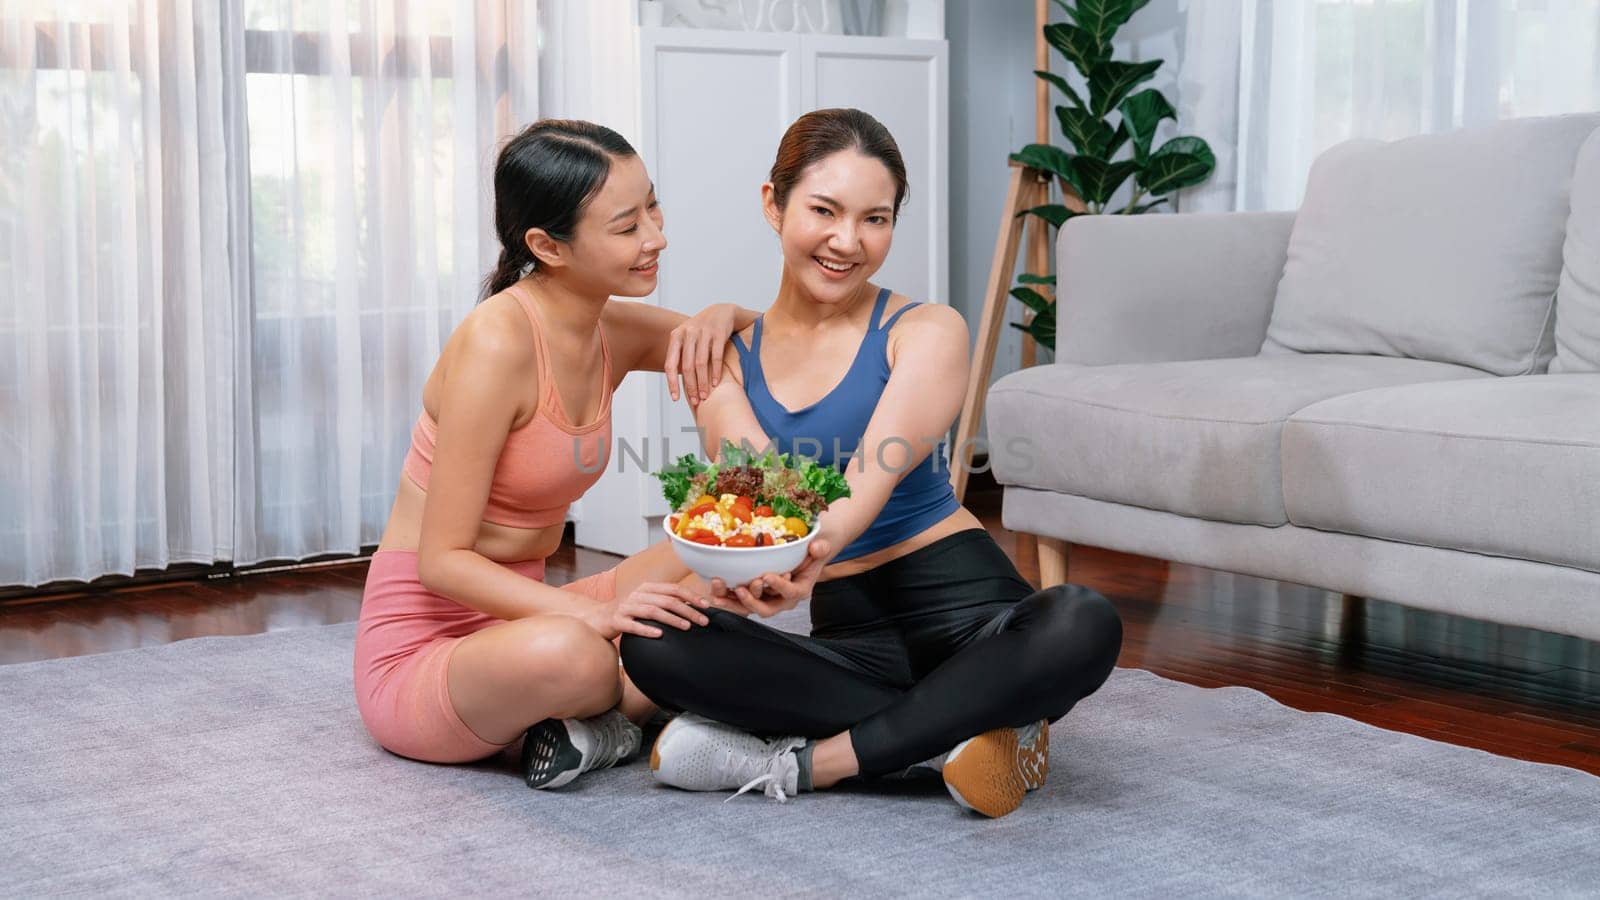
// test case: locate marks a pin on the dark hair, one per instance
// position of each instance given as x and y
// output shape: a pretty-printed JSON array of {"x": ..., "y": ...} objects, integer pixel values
[
  {"x": 819, "y": 134},
  {"x": 543, "y": 178}
]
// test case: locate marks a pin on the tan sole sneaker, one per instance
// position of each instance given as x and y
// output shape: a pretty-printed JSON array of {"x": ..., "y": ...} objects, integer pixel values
[
  {"x": 655, "y": 752},
  {"x": 983, "y": 773},
  {"x": 1033, "y": 756}
]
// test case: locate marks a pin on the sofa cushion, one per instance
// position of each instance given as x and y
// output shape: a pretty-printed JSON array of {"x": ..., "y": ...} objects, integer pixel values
[
  {"x": 1578, "y": 296},
  {"x": 1198, "y": 437},
  {"x": 1444, "y": 247},
  {"x": 1507, "y": 467}
]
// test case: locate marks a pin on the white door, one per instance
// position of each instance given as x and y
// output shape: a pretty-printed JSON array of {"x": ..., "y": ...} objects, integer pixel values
[
  {"x": 905, "y": 85},
  {"x": 714, "y": 105}
]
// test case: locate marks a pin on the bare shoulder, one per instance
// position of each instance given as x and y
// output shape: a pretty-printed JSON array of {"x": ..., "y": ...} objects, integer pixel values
[
  {"x": 927, "y": 326},
  {"x": 496, "y": 335}
]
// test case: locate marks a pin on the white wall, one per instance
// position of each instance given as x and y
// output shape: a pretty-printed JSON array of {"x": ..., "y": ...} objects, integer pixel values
[{"x": 991, "y": 116}]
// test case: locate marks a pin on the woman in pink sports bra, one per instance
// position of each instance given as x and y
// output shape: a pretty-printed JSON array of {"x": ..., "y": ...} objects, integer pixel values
[{"x": 462, "y": 648}]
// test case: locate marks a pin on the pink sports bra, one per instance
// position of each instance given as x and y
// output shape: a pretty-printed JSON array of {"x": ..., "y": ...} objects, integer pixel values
[{"x": 547, "y": 463}]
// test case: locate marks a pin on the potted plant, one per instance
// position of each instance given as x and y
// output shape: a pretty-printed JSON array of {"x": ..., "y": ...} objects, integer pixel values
[{"x": 1110, "y": 133}]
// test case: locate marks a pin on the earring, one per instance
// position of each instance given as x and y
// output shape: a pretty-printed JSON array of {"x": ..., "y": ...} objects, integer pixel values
[{"x": 528, "y": 267}]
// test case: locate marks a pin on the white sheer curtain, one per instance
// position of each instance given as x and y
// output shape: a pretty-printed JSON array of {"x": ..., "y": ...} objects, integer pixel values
[
  {"x": 233, "y": 236},
  {"x": 117, "y": 296},
  {"x": 373, "y": 126},
  {"x": 589, "y": 63},
  {"x": 1272, "y": 84}
]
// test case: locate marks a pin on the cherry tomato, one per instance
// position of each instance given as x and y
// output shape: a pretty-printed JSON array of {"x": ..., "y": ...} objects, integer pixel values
[
  {"x": 699, "y": 508},
  {"x": 763, "y": 510},
  {"x": 739, "y": 540},
  {"x": 702, "y": 536},
  {"x": 672, "y": 523},
  {"x": 796, "y": 526},
  {"x": 740, "y": 512},
  {"x": 765, "y": 540}
]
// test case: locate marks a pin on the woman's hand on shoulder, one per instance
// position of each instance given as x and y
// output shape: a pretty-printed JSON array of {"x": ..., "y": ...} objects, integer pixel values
[
  {"x": 696, "y": 348},
  {"x": 688, "y": 350}
]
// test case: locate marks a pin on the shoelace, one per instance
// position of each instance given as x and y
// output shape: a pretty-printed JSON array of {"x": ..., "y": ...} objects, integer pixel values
[
  {"x": 612, "y": 731},
  {"x": 771, "y": 777}
]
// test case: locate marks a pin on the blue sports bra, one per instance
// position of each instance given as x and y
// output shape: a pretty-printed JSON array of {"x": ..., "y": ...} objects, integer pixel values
[{"x": 830, "y": 432}]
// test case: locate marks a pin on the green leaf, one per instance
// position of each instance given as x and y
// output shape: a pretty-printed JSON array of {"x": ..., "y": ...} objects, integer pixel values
[
  {"x": 675, "y": 478},
  {"x": 1046, "y": 158},
  {"x": 1102, "y": 18},
  {"x": 1098, "y": 179},
  {"x": 1181, "y": 162},
  {"x": 1061, "y": 85},
  {"x": 1042, "y": 328},
  {"x": 1031, "y": 298},
  {"x": 1142, "y": 113},
  {"x": 1054, "y": 213},
  {"x": 1118, "y": 138},
  {"x": 1030, "y": 278},
  {"x": 731, "y": 455},
  {"x": 1110, "y": 81},
  {"x": 1089, "y": 134},
  {"x": 825, "y": 480},
  {"x": 1079, "y": 46}
]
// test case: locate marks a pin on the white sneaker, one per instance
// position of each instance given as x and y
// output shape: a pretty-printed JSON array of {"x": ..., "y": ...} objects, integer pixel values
[
  {"x": 694, "y": 753},
  {"x": 556, "y": 751},
  {"x": 990, "y": 773}
]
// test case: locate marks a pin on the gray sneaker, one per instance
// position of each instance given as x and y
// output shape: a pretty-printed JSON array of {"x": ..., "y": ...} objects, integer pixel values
[
  {"x": 694, "y": 753},
  {"x": 556, "y": 751}
]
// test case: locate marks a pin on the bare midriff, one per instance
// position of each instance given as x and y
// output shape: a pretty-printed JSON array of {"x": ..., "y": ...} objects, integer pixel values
[
  {"x": 501, "y": 543},
  {"x": 960, "y": 520}
]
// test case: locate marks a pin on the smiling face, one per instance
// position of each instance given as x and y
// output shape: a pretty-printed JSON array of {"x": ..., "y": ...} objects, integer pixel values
[
  {"x": 836, "y": 225},
  {"x": 618, "y": 240}
]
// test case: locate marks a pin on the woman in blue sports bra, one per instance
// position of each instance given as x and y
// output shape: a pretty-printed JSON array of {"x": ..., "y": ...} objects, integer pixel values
[{"x": 928, "y": 652}]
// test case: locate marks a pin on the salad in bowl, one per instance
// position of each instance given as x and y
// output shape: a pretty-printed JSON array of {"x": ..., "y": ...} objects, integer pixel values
[{"x": 748, "y": 513}]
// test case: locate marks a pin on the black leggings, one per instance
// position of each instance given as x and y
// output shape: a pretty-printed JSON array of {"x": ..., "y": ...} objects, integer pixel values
[{"x": 911, "y": 657}]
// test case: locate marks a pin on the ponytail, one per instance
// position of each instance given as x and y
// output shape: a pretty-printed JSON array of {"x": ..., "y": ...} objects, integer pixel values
[{"x": 508, "y": 271}]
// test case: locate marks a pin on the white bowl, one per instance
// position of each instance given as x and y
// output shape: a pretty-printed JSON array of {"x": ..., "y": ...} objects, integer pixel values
[{"x": 739, "y": 565}]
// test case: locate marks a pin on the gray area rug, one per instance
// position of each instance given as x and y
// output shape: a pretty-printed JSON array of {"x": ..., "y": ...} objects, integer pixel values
[{"x": 238, "y": 766}]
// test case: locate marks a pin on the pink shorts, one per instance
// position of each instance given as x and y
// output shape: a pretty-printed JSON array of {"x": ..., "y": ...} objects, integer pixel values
[{"x": 402, "y": 660}]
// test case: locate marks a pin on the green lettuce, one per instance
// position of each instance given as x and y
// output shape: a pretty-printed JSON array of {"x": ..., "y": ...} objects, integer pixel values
[
  {"x": 675, "y": 479},
  {"x": 688, "y": 477}
]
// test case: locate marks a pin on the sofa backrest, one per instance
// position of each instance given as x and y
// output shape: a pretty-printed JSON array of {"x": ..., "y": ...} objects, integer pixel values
[
  {"x": 1578, "y": 296},
  {"x": 1445, "y": 247}
]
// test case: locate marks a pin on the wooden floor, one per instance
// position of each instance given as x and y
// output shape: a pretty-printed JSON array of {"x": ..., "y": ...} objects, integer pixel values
[{"x": 1511, "y": 691}]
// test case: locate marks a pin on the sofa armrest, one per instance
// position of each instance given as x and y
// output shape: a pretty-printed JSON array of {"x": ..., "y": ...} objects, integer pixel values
[{"x": 1157, "y": 288}]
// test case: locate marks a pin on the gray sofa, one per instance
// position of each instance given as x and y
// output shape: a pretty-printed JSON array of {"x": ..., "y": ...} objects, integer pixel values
[{"x": 1393, "y": 392}]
